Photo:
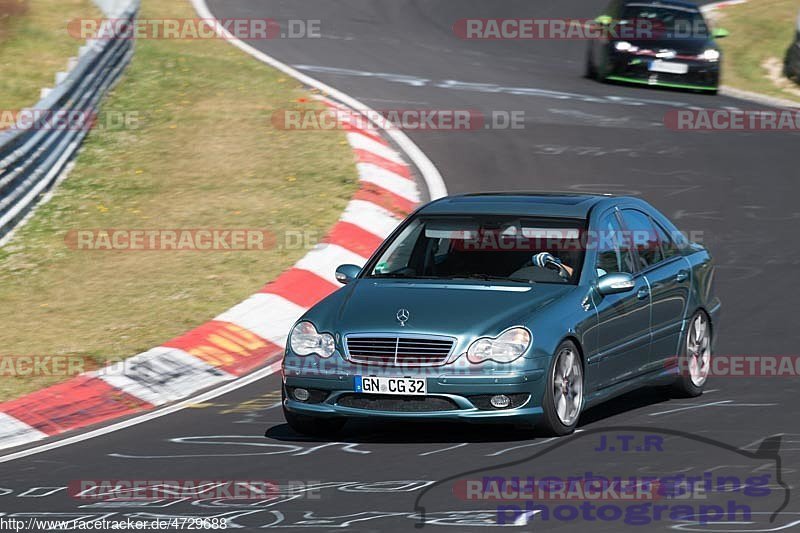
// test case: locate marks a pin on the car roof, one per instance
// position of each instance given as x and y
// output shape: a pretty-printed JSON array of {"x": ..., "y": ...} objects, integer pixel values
[
  {"x": 664, "y": 3},
  {"x": 543, "y": 204}
]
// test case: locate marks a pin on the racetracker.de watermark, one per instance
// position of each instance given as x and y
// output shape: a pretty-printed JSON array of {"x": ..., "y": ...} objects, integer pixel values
[
  {"x": 12, "y": 366},
  {"x": 742, "y": 366},
  {"x": 572, "y": 29},
  {"x": 189, "y": 489},
  {"x": 170, "y": 240},
  {"x": 67, "y": 120},
  {"x": 732, "y": 120},
  {"x": 404, "y": 119},
  {"x": 194, "y": 29}
]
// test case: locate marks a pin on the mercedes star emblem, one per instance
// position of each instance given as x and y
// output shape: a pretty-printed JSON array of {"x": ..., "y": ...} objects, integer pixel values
[{"x": 402, "y": 316}]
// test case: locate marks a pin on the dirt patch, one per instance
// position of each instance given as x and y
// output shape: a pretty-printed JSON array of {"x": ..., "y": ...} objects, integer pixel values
[
  {"x": 773, "y": 68},
  {"x": 8, "y": 10}
]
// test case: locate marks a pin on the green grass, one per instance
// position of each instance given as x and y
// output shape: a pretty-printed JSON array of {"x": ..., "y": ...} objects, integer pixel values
[
  {"x": 204, "y": 155},
  {"x": 760, "y": 30},
  {"x": 34, "y": 45}
]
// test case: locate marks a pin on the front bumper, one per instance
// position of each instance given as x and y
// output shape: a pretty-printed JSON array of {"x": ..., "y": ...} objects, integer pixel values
[
  {"x": 630, "y": 68},
  {"x": 457, "y": 398}
]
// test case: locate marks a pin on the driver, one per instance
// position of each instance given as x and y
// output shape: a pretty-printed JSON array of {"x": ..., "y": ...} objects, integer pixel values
[{"x": 543, "y": 258}]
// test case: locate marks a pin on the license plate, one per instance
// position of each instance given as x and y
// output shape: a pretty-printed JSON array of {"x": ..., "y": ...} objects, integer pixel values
[
  {"x": 668, "y": 67},
  {"x": 403, "y": 386}
]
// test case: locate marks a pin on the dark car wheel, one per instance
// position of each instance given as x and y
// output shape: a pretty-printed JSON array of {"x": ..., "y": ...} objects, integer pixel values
[
  {"x": 695, "y": 361},
  {"x": 312, "y": 425},
  {"x": 591, "y": 72},
  {"x": 563, "y": 395}
]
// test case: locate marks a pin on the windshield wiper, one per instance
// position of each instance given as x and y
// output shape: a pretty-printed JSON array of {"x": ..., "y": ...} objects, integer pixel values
[
  {"x": 398, "y": 275},
  {"x": 487, "y": 277}
]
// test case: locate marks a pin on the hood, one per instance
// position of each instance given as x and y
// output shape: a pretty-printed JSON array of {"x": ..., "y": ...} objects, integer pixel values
[
  {"x": 458, "y": 309},
  {"x": 691, "y": 47}
]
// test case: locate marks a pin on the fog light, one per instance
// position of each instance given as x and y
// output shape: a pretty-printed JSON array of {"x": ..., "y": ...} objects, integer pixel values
[
  {"x": 300, "y": 395},
  {"x": 500, "y": 401}
]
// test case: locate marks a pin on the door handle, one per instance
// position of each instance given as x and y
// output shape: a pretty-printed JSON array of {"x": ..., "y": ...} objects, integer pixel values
[
  {"x": 682, "y": 276},
  {"x": 643, "y": 293}
]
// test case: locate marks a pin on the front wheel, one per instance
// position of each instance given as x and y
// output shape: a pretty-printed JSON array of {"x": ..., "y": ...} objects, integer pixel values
[
  {"x": 563, "y": 394},
  {"x": 591, "y": 71},
  {"x": 695, "y": 361}
]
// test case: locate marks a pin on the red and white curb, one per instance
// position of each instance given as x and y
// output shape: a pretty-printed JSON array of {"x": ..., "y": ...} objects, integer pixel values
[{"x": 247, "y": 336}]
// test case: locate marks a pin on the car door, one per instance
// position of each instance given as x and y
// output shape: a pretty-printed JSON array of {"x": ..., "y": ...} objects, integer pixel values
[
  {"x": 623, "y": 319},
  {"x": 669, "y": 276}
]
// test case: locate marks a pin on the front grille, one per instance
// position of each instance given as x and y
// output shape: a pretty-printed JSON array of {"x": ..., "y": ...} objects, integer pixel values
[
  {"x": 405, "y": 350},
  {"x": 401, "y": 404}
]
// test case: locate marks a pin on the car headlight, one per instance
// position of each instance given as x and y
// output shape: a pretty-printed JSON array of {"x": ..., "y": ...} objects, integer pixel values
[
  {"x": 625, "y": 46},
  {"x": 710, "y": 55},
  {"x": 505, "y": 348},
  {"x": 306, "y": 340}
]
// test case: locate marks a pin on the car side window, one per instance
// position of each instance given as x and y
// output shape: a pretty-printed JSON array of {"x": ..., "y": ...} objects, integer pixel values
[
  {"x": 668, "y": 247},
  {"x": 613, "y": 251},
  {"x": 643, "y": 235}
]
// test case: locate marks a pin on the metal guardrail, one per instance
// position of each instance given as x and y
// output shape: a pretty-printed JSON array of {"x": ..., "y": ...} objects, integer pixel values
[{"x": 31, "y": 158}]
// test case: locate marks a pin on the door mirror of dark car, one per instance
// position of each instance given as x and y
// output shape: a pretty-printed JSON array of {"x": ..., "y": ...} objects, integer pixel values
[
  {"x": 603, "y": 20},
  {"x": 719, "y": 33},
  {"x": 347, "y": 273},
  {"x": 615, "y": 283}
]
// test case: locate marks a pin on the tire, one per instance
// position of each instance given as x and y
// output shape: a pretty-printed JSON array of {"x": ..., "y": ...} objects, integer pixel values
[
  {"x": 695, "y": 358},
  {"x": 591, "y": 72},
  {"x": 313, "y": 426},
  {"x": 558, "y": 420}
]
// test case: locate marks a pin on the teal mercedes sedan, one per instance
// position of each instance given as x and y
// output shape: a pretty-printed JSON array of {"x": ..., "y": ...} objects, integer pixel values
[{"x": 516, "y": 308}]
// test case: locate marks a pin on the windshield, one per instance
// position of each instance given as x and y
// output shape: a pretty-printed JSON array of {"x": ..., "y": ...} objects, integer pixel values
[
  {"x": 667, "y": 21},
  {"x": 490, "y": 248}
]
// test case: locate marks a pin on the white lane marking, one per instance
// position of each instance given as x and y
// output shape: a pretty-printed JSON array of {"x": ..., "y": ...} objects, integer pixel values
[
  {"x": 751, "y": 405},
  {"x": 530, "y": 445},
  {"x": 413, "y": 81},
  {"x": 444, "y": 449},
  {"x": 325, "y": 258},
  {"x": 359, "y": 141},
  {"x": 524, "y": 518},
  {"x": 433, "y": 179},
  {"x": 267, "y": 315},
  {"x": 370, "y": 217},
  {"x": 389, "y": 180},
  {"x": 200, "y": 398},
  {"x": 349, "y": 447},
  {"x": 492, "y": 88},
  {"x": 14, "y": 432},
  {"x": 686, "y": 408}
]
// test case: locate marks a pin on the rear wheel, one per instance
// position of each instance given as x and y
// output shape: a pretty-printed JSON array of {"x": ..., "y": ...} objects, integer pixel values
[
  {"x": 563, "y": 395},
  {"x": 695, "y": 361}
]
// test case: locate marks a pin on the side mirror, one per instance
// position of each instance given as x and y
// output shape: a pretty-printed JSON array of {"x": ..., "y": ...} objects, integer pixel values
[
  {"x": 719, "y": 33},
  {"x": 347, "y": 273},
  {"x": 603, "y": 20},
  {"x": 615, "y": 283}
]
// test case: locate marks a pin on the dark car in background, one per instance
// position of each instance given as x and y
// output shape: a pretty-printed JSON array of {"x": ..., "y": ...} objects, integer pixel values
[
  {"x": 792, "y": 64},
  {"x": 664, "y": 43}
]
